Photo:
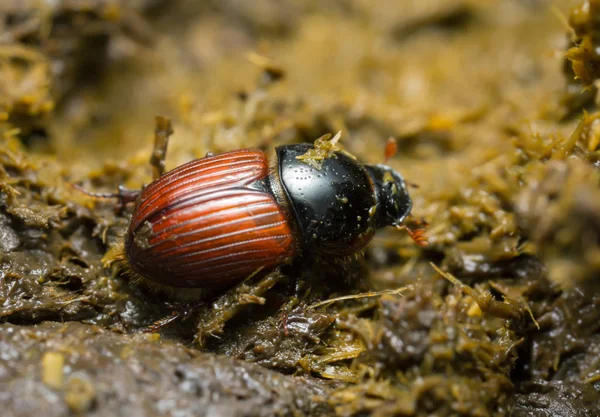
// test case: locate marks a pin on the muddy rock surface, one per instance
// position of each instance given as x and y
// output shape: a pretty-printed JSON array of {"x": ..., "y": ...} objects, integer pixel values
[{"x": 55, "y": 369}]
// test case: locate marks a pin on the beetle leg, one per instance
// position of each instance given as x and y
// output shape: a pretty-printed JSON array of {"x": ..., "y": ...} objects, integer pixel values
[
  {"x": 163, "y": 130},
  {"x": 160, "y": 323},
  {"x": 179, "y": 312},
  {"x": 213, "y": 318},
  {"x": 124, "y": 196}
]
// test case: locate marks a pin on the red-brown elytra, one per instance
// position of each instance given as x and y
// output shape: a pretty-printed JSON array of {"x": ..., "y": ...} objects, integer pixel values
[
  {"x": 209, "y": 223},
  {"x": 215, "y": 221}
]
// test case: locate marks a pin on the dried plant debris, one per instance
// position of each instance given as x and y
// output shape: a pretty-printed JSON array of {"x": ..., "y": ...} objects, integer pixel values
[
  {"x": 52, "y": 249},
  {"x": 426, "y": 353},
  {"x": 582, "y": 64},
  {"x": 583, "y": 55},
  {"x": 559, "y": 208},
  {"x": 46, "y": 48}
]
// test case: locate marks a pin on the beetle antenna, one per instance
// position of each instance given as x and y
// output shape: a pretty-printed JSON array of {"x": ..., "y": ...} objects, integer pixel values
[{"x": 418, "y": 235}]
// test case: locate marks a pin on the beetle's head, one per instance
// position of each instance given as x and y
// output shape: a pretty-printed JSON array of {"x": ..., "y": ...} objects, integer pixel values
[{"x": 393, "y": 201}]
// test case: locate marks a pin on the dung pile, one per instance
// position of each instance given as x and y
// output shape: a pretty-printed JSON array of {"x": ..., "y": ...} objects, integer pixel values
[{"x": 494, "y": 109}]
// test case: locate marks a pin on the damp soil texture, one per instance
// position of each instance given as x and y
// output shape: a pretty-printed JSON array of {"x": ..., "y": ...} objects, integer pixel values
[{"x": 493, "y": 107}]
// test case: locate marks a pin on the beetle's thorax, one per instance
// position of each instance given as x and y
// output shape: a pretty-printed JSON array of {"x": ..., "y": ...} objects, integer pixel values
[{"x": 331, "y": 205}]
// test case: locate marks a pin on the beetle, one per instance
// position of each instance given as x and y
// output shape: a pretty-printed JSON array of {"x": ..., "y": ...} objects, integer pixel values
[{"x": 215, "y": 221}]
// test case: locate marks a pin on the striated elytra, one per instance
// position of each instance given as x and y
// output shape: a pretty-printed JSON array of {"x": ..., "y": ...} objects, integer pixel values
[{"x": 215, "y": 221}]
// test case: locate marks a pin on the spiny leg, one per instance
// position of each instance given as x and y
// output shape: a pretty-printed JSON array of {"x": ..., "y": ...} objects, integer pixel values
[
  {"x": 179, "y": 311},
  {"x": 124, "y": 195},
  {"x": 213, "y": 318}
]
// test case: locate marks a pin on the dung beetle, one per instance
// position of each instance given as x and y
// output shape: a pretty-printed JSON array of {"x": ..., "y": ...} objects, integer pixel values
[{"x": 214, "y": 221}]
